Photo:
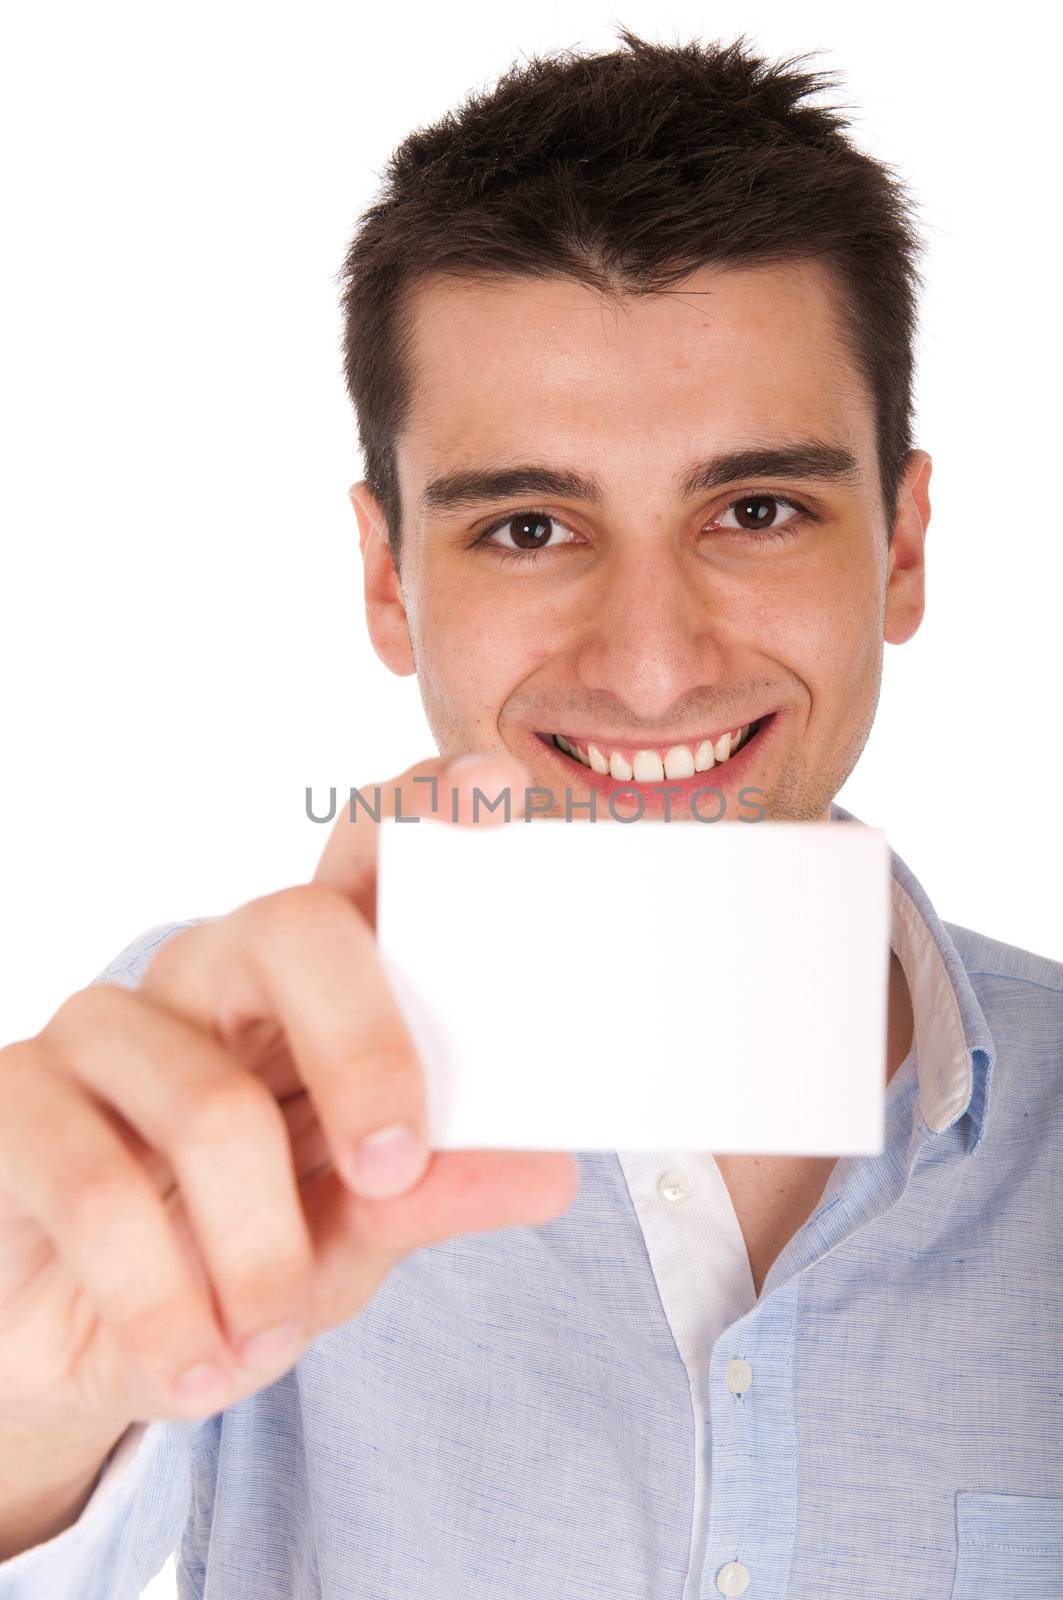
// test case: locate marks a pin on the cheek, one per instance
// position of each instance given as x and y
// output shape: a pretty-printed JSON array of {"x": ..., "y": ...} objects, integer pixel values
[
  {"x": 832, "y": 620},
  {"x": 469, "y": 626},
  {"x": 478, "y": 649}
]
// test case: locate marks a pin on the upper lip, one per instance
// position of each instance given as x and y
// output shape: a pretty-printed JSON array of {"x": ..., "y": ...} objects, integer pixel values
[{"x": 607, "y": 742}]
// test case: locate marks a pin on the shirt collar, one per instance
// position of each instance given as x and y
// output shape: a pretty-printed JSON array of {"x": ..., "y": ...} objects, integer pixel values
[{"x": 954, "y": 1049}]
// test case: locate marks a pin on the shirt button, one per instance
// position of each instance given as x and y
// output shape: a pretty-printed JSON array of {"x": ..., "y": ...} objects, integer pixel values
[
  {"x": 675, "y": 1186},
  {"x": 739, "y": 1376},
  {"x": 733, "y": 1578}
]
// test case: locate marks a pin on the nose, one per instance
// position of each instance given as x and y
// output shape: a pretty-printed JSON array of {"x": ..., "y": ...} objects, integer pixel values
[{"x": 653, "y": 632}]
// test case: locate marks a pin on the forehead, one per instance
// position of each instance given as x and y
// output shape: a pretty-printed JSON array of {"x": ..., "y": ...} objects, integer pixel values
[{"x": 518, "y": 367}]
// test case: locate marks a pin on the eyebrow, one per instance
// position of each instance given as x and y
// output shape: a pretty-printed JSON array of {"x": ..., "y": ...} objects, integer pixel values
[{"x": 473, "y": 486}]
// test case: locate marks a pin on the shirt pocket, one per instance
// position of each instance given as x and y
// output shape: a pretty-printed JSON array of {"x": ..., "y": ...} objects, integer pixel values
[{"x": 1008, "y": 1544}]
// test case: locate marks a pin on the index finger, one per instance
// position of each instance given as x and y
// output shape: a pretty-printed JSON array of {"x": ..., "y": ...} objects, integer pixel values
[{"x": 441, "y": 788}]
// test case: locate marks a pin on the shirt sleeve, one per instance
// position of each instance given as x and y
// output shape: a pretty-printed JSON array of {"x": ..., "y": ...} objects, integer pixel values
[
  {"x": 136, "y": 1514},
  {"x": 132, "y": 1522},
  {"x": 119, "y": 1461},
  {"x": 129, "y": 965}
]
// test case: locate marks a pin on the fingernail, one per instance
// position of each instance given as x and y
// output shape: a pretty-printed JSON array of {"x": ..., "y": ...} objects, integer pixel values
[
  {"x": 386, "y": 1163},
  {"x": 269, "y": 1348},
  {"x": 491, "y": 772},
  {"x": 466, "y": 763},
  {"x": 204, "y": 1381}
]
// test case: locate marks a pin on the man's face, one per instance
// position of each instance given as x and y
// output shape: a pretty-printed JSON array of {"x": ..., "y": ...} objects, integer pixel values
[{"x": 658, "y": 615}]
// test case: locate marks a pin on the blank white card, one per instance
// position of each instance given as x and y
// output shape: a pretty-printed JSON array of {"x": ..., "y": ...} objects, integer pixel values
[{"x": 645, "y": 985}]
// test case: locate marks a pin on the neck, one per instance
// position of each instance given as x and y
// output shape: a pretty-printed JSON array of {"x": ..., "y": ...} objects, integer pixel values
[{"x": 900, "y": 1022}]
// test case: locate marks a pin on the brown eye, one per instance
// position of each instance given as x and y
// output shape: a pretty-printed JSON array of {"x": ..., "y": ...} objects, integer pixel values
[
  {"x": 524, "y": 533},
  {"x": 529, "y": 531},
  {"x": 758, "y": 522},
  {"x": 756, "y": 511}
]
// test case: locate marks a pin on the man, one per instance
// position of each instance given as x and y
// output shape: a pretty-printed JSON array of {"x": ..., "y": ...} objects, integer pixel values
[{"x": 629, "y": 340}]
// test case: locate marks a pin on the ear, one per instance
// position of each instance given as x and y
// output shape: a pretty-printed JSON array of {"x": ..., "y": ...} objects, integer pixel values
[
  {"x": 906, "y": 572},
  {"x": 385, "y": 612}
]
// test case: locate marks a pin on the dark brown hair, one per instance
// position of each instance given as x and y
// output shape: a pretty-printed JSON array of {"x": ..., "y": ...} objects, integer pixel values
[{"x": 626, "y": 171}]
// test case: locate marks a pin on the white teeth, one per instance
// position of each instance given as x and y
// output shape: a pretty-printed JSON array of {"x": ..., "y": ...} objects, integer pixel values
[
  {"x": 678, "y": 762},
  {"x": 571, "y": 749},
  {"x": 648, "y": 767}
]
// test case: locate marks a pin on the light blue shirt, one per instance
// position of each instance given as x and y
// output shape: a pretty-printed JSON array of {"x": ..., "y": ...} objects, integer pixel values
[{"x": 515, "y": 1414}]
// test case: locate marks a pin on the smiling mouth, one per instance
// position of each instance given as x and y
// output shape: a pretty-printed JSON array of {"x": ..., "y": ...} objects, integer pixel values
[{"x": 656, "y": 763}]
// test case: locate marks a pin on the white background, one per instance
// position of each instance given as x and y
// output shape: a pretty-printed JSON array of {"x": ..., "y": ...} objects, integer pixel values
[{"x": 181, "y": 627}]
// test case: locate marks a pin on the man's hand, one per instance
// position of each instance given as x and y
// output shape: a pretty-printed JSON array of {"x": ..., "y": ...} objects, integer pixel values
[{"x": 187, "y": 1197}]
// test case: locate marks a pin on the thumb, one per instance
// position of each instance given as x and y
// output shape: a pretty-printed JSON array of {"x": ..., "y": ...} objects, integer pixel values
[{"x": 442, "y": 789}]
